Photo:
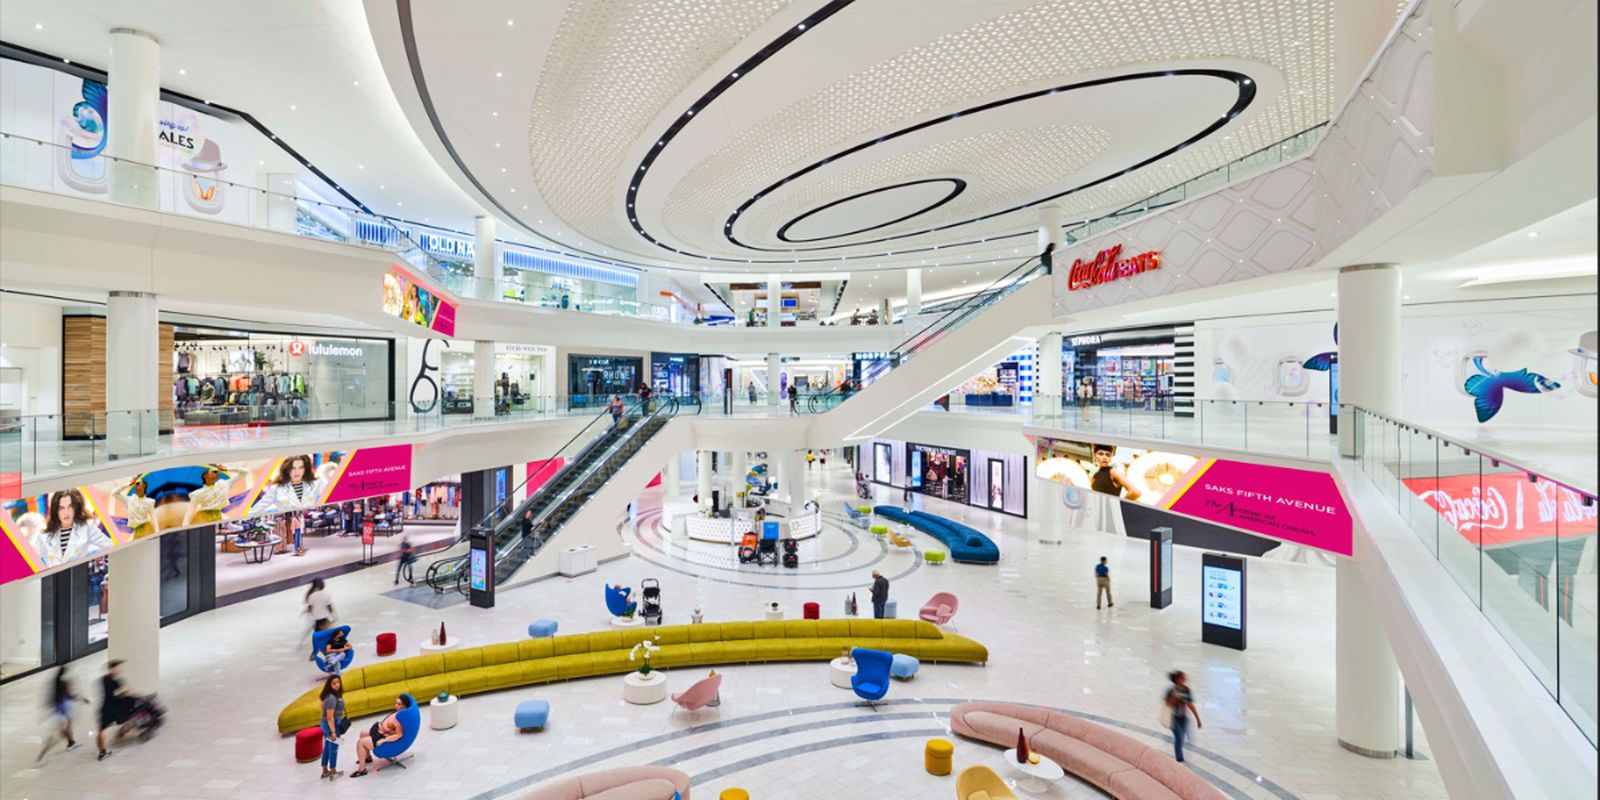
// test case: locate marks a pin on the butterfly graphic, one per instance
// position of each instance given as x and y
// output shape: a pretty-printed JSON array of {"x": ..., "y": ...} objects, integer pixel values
[
  {"x": 1322, "y": 362},
  {"x": 1488, "y": 388}
]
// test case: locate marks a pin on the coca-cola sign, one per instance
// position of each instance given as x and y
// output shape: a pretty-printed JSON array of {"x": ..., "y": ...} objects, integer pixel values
[
  {"x": 1108, "y": 265},
  {"x": 1505, "y": 508}
]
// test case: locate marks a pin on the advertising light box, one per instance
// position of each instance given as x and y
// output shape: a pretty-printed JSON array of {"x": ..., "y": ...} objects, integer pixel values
[
  {"x": 407, "y": 297},
  {"x": 1222, "y": 597}
]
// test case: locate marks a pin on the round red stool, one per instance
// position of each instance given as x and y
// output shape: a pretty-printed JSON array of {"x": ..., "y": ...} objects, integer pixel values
[
  {"x": 307, "y": 745},
  {"x": 386, "y": 644},
  {"x": 811, "y": 611}
]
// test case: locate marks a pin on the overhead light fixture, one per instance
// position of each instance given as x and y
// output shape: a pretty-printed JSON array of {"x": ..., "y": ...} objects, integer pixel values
[
  {"x": 293, "y": 107},
  {"x": 182, "y": 71},
  {"x": 499, "y": 74},
  {"x": 1533, "y": 234},
  {"x": 510, "y": 22},
  {"x": 1554, "y": 269}
]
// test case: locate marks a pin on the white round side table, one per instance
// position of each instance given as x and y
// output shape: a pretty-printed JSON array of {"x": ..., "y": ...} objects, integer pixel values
[
  {"x": 442, "y": 713},
  {"x": 627, "y": 622},
  {"x": 642, "y": 690},
  {"x": 430, "y": 647},
  {"x": 840, "y": 671}
]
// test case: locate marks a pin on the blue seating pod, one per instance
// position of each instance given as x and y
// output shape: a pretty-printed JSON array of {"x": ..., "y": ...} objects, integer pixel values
[
  {"x": 965, "y": 544},
  {"x": 871, "y": 681},
  {"x": 410, "y": 719},
  {"x": 319, "y": 640}
]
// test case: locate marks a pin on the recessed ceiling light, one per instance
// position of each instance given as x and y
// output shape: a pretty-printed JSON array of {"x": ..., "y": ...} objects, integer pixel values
[
  {"x": 355, "y": 83},
  {"x": 499, "y": 74},
  {"x": 1533, "y": 234},
  {"x": 293, "y": 107},
  {"x": 510, "y": 22},
  {"x": 502, "y": 169},
  {"x": 182, "y": 71},
  {"x": 399, "y": 204},
  {"x": 38, "y": 26},
  {"x": 495, "y": 113},
  {"x": 381, "y": 186}
]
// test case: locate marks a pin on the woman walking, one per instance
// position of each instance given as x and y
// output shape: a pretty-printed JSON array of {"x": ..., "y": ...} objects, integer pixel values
[
  {"x": 333, "y": 724},
  {"x": 62, "y": 697},
  {"x": 1180, "y": 706},
  {"x": 319, "y": 605}
]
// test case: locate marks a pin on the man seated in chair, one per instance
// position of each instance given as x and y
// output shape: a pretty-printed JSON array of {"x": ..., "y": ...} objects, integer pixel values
[{"x": 387, "y": 729}]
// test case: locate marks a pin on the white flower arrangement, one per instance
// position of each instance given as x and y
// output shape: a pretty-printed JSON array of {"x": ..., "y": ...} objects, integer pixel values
[{"x": 642, "y": 651}]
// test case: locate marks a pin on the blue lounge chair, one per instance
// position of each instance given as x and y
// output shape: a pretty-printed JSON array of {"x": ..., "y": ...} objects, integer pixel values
[
  {"x": 320, "y": 639},
  {"x": 410, "y": 719},
  {"x": 617, "y": 601},
  {"x": 871, "y": 681}
]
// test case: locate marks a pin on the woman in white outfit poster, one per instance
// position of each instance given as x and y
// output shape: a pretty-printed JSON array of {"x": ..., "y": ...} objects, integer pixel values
[
  {"x": 70, "y": 530},
  {"x": 296, "y": 487}
]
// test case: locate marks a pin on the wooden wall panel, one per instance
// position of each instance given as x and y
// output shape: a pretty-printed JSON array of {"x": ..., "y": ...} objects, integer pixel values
[
  {"x": 83, "y": 376},
  {"x": 164, "y": 377}
]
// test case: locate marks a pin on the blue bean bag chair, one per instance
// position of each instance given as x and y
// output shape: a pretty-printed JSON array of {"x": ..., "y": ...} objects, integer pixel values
[
  {"x": 320, "y": 639},
  {"x": 617, "y": 601},
  {"x": 871, "y": 681},
  {"x": 410, "y": 719}
]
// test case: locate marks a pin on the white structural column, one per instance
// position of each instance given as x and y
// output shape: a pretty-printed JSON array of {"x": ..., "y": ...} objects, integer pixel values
[
  {"x": 1369, "y": 350},
  {"x": 1045, "y": 513},
  {"x": 1047, "y": 376},
  {"x": 774, "y": 300},
  {"x": 133, "y": 623},
  {"x": 792, "y": 477},
  {"x": 1051, "y": 220},
  {"x": 485, "y": 258},
  {"x": 672, "y": 479},
  {"x": 913, "y": 291},
  {"x": 739, "y": 466},
  {"x": 1367, "y": 679},
  {"x": 482, "y": 379},
  {"x": 702, "y": 477},
  {"x": 133, "y": 106},
  {"x": 133, "y": 345},
  {"x": 774, "y": 369}
]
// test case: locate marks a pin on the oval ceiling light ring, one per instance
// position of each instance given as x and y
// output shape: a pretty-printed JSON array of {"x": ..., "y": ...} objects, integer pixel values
[
  {"x": 957, "y": 186},
  {"x": 1244, "y": 85}
]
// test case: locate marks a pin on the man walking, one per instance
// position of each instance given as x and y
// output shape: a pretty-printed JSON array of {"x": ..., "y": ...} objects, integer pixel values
[
  {"x": 1102, "y": 583},
  {"x": 794, "y": 399},
  {"x": 408, "y": 554},
  {"x": 880, "y": 594}
]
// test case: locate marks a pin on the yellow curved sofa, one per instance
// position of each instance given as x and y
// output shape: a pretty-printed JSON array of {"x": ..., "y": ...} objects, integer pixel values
[{"x": 372, "y": 688}]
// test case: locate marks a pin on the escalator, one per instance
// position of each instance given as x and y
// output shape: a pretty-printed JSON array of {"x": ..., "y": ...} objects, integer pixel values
[{"x": 571, "y": 474}]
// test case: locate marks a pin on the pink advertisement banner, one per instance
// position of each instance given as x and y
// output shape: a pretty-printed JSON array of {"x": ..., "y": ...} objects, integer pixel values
[{"x": 1298, "y": 506}]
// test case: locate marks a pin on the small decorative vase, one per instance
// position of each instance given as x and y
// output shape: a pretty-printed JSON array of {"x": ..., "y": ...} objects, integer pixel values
[
  {"x": 433, "y": 637},
  {"x": 1022, "y": 747},
  {"x": 442, "y": 640}
]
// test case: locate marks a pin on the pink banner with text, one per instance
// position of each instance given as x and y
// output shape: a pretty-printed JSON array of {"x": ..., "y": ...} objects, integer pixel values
[{"x": 1298, "y": 506}]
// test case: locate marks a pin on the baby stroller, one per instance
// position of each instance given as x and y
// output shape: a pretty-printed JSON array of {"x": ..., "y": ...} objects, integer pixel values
[
  {"x": 791, "y": 558},
  {"x": 144, "y": 718},
  {"x": 650, "y": 609},
  {"x": 747, "y": 548}
]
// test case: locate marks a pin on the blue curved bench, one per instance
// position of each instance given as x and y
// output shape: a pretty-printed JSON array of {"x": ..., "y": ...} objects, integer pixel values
[{"x": 965, "y": 544}]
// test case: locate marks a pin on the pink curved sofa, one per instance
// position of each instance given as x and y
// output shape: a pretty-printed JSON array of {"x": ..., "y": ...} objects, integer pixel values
[
  {"x": 1122, "y": 766},
  {"x": 624, "y": 783}
]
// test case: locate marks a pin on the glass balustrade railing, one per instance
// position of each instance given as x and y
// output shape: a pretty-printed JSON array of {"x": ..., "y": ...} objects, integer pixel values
[{"x": 1520, "y": 544}]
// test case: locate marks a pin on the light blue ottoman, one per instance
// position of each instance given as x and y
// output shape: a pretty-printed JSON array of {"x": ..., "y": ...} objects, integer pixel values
[
  {"x": 539, "y": 629},
  {"x": 904, "y": 667},
  {"x": 532, "y": 714},
  {"x": 890, "y": 609}
]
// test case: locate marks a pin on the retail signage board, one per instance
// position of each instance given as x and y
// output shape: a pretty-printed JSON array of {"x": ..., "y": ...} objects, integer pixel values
[
  {"x": 1109, "y": 265},
  {"x": 414, "y": 300},
  {"x": 94, "y": 519},
  {"x": 1505, "y": 508},
  {"x": 1303, "y": 507}
]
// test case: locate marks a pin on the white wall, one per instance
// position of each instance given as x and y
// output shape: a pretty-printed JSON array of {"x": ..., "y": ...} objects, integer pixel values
[{"x": 30, "y": 340}]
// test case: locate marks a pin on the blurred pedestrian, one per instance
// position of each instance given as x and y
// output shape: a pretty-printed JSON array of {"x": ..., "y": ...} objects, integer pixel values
[
  {"x": 408, "y": 555},
  {"x": 114, "y": 704},
  {"x": 1180, "y": 707},
  {"x": 62, "y": 696}
]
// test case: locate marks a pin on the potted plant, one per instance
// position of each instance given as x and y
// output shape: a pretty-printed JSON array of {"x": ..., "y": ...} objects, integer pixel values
[{"x": 641, "y": 653}]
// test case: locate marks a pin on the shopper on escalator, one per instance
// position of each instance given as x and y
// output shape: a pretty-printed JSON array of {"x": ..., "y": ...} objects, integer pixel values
[{"x": 616, "y": 410}]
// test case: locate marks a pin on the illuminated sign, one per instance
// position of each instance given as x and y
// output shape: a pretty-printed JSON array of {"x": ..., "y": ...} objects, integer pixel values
[
  {"x": 336, "y": 350},
  {"x": 1107, "y": 266},
  {"x": 447, "y": 245},
  {"x": 297, "y": 348},
  {"x": 1085, "y": 341}
]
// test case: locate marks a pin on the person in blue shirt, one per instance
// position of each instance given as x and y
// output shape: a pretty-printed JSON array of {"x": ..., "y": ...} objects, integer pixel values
[{"x": 1102, "y": 583}]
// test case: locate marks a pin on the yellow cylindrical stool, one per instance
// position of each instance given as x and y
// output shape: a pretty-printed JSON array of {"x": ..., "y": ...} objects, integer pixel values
[
  {"x": 734, "y": 793},
  {"x": 936, "y": 757}
]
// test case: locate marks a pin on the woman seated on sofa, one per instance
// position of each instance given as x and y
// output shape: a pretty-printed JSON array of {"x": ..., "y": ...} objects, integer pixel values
[
  {"x": 384, "y": 730},
  {"x": 333, "y": 652}
]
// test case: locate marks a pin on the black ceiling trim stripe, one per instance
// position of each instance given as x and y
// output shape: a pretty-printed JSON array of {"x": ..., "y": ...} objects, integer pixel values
[
  {"x": 1246, "y": 92},
  {"x": 414, "y": 63},
  {"x": 957, "y": 186},
  {"x": 37, "y": 58}
]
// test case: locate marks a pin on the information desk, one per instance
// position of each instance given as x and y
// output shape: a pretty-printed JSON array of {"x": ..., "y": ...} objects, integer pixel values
[{"x": 721, "y": 530}]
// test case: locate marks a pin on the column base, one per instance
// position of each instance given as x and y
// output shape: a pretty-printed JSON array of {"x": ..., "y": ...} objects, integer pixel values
[{"x": 1362, "y": 751}]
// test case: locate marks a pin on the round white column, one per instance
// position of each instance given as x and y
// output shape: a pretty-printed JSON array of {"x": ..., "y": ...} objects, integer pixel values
[
  {"x": 1051, "y": 220},
  {"x": 672, "y": 479},
  {"x": 702, "y": 477},
  {"x": 739, "y": 465},
  {"x": 133, "y": 111},
  {"x": 133, "y": 620},
  {"x": 133, "y": 345},
  {"x": 1366, "y": 678},
  {"x": 483, "y": 379},
  {"x": 774, "y": 301},
  {"x": 1369, "y": 346},
  {"x": 774, "y": 369},
  {"x": 793, "y": 477},
  {"x": 1045, "y": 512},
  {"x": 1047, "y": 376},
  {"x": 913, "y": 291},
  {"x": 485, "y": 259}
]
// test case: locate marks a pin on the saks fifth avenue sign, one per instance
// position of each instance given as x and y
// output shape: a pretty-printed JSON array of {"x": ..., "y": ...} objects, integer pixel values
[{"x": 1108, "y": 266}]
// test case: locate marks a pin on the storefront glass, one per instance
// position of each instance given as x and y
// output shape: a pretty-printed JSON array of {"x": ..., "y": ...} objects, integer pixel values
[
  {"x": 229, "y": 377},
  {"x": 676, "y": 374},
  {"x": 592, "y": 380},
  {"x": 1121, "y": 369}
]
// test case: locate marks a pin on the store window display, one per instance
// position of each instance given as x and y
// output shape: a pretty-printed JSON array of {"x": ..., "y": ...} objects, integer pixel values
[
  {"x": 592, "y": 380},
  {"x": 232, "y": 377},
  {"x": 1132, "y": 369}
]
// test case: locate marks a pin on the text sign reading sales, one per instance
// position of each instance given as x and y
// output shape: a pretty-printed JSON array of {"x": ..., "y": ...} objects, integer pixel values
[{"x": 1108, "y": 266}]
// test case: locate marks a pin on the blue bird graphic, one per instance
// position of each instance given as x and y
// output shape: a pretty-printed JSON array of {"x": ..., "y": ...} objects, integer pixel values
[
  {"x": 1322, "y": 362},
  {"x": 1488, "y": 388}
]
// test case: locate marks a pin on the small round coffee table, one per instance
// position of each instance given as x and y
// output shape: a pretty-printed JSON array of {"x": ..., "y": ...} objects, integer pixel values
[
  {"x": 643, "y": 690},
  {"x": 1037, "y": 776},
  {"x": 840, "y": 671}
]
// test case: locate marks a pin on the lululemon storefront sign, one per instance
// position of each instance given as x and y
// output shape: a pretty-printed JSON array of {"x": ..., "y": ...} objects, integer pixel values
[{"x": 1108, "y": 265}]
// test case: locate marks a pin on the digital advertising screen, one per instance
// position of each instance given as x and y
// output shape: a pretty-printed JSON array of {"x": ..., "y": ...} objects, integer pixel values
[
  {"x": 407, "y": 297},
  {"x": 1298, "y": 506},
  {"x": 1223, "y": 604},
  {"x": 480, "y": 570}
]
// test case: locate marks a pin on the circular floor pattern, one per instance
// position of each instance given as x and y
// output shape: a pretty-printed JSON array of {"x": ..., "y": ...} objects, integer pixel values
[
  {"x": 710, "y": 757},
  {"x": 717, "y": 562}
]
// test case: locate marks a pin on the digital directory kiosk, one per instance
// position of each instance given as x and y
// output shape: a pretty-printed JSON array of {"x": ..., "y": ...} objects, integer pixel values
[{"x": 1222, "y": 598}]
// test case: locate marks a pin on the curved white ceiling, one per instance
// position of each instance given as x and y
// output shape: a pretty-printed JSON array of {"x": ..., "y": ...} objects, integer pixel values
[{"x": 691, "y": 132}]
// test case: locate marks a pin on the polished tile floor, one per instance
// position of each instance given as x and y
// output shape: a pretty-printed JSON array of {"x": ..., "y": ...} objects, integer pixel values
[{"x": 782, "y": 731}]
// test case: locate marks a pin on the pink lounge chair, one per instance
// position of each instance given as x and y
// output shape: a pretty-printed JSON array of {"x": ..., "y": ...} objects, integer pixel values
[
  {"x": 699, "y": 695},
  {"x": 940, "y": 608}
]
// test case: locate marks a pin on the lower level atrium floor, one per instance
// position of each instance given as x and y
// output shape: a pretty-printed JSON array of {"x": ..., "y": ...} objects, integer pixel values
[{"x": 782, "y": 730}]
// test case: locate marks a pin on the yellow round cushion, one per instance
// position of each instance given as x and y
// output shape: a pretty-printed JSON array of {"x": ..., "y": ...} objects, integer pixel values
[
  {"x": 937, "y": 756},
  {"x": 734, "y": 793}
]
